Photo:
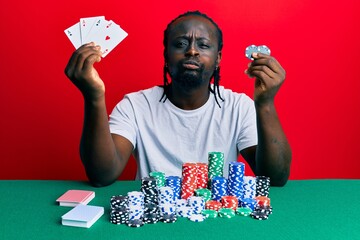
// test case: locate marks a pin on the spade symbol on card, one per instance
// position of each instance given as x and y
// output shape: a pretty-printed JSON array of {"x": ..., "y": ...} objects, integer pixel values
[{"x": 107, "y": 38}]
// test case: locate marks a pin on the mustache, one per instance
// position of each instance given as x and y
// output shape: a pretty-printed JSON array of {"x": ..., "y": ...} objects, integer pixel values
[{"x": 190, "y": 61}]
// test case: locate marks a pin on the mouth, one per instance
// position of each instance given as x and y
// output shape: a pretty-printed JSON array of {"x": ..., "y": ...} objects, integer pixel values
[{"x": 192, "y": 65}]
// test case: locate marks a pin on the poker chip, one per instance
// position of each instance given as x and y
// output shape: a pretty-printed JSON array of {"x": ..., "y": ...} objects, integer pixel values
[
  {"x": 168, "y": 218},
  {"x": 264, "y": 49},
  {"x": 236, "y": 179},
  {"x": 250, "y": 50},
  {"x": 119, "y": 215},
  {"x": 135, "y": 223},
  {"x": 175, "y": 183},
  {"x": 202, "y": 175},
  {"x": 119, "y": 201},
  {"x": 219, "y": 187},
  {"x": 208, "y": 213},
  {"x": 150, "y": 190},
  {"x": 151, "y": 218},
  {"x": 262, "y": 186},
  {"x": 229, "y": 202},
  {"x": 259, "y": 215},
  {"x": 189, "y": 174},
  {"x": 249, "y": 187},
  {"x": 215, "y": 165},
  {"x": 244, "y": 211},
  {"x": 265, "y": 209},
  {"x": 262, "y": 201},
  {"x": 213, "y": 205},
  {"x": 197, "y": 218},
  {"x": 202, "y": 192},
  {"x": 160, "y": 178},
  {"x": 256, "y": 49},
  {"x": 226, "y": 213}
]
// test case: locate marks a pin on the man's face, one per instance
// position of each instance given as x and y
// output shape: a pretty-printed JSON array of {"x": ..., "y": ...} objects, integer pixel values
[{"x": 192, "y": 51}]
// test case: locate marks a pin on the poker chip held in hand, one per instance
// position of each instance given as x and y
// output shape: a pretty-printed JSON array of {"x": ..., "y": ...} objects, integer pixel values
[
  {"x": 256, "y": 49},
  {"x": 164, "y": 198}
]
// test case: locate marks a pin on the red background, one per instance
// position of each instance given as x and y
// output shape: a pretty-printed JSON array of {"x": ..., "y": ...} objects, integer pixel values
[{"x": 317, "y": 42}]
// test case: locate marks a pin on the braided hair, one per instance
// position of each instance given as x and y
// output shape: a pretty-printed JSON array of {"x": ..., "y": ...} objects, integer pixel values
[{"x": 216, "y": 74}]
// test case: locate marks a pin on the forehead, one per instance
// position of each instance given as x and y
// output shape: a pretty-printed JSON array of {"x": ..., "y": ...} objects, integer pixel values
[{"x": 193, "y": 25}]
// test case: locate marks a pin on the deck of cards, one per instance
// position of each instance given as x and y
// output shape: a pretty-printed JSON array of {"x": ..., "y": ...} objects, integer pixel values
[{"x": 106, "y": 34}]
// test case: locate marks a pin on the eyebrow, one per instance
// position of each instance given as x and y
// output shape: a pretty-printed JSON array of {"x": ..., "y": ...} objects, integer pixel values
[{"x": 189, "y": 37}]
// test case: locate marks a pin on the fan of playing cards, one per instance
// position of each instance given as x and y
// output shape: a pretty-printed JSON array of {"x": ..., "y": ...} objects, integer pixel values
[{"x": 106, "y": 34}]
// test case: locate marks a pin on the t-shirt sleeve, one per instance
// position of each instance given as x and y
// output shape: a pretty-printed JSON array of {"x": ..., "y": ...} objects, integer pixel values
[
  {"x": 248, "y": 129},
  {"x": 122, "y": 120}
]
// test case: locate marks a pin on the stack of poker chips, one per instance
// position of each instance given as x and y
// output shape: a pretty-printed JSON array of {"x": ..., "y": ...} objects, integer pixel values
[
  {"x": 218, "y": 187},
  {"x": 262, "y": 186},
  {"x": 136, "y": 205},
  {"x": 189, "y": 174},
  {"x": 216, "y": 165},
  {"x": 262, "y": 209},
  {"x": 202, "y": 175},
  {"x": 175, "y": 183},
  {"x": 119, "y": 213},
  {"x": 230, "y": 202},
  {"x": 160, "y": 178},
  {"x": 150, "y": 190},
  {"x": 165, "y": 198},
  {"x": 249, "y": 187},
  {"x": 204, "y": 193},
  {"x": 236, "y": 179}
]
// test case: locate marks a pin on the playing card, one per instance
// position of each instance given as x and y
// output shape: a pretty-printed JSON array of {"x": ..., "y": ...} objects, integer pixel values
[
  {"x": 73, "y": 33},
  {"x": 108, "y": 36},
  {"x": 86, "y": 25}
]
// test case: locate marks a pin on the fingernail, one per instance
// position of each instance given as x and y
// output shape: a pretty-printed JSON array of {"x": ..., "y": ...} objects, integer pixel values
[
  {"x": 249, "y": 65},
  {"x": 255, "y": 54}
]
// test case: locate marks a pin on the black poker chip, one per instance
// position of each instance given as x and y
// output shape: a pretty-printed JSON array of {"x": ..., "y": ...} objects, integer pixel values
[
  {"x": 259, "y": 215},
  {"x": 168, "y": 218},
  {"x": 150, "y": 218},
  {"x": 135, "y": 223}
]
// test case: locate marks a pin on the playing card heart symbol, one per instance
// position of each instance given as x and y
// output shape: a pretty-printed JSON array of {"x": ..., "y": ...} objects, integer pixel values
[{"x": 107, "y": 38}]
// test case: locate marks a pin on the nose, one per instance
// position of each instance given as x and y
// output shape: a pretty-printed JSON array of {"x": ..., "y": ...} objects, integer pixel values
[{"x": 192, "y": 50}]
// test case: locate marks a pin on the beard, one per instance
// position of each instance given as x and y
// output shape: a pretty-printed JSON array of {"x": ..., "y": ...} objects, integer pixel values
[{"x": 189, "y": 79}]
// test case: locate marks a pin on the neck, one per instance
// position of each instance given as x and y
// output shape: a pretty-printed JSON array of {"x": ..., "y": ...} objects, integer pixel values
[{"x": 188, "y": 99}]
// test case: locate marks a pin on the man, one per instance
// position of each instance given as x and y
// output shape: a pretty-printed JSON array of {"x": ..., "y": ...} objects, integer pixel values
[{"x": 186, "y": 118}]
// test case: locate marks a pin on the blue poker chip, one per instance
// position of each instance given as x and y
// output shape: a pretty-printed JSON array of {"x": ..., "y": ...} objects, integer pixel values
[
  {"x": 264, "y": 49},
  {"x": 250, "y": 50},
  {"x": 256, "y": 49}
]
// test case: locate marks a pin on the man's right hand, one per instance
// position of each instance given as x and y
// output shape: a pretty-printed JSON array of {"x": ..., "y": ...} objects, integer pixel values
[{"x": 80, "y": 70}]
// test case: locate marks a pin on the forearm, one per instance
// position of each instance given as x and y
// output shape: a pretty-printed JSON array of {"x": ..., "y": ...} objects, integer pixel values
[
  {"x": 273, "y": 153},
  {"x": 97, "y": 149}
]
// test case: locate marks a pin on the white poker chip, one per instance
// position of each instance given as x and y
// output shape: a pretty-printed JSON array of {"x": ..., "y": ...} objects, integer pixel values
[
  {"x": 256, "y": 49},
  {"x": 197, "y": 218}
]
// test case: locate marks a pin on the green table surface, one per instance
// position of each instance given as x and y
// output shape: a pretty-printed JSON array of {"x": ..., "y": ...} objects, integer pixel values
[{"x": 305, "y": 209}]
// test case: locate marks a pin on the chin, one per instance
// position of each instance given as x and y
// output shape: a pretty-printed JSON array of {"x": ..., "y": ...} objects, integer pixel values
[{"x": 189, "y": 80}]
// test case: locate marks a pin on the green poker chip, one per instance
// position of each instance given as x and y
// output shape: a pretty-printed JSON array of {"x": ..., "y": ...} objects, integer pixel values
[
  {"x": 209, "y": 213},
  {"x": 226, "y": 213},
  {"x": 244, "y": 211}
]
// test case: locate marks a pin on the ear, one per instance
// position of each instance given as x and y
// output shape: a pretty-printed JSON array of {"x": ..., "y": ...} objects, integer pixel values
[{"x": 218, "y": 59}]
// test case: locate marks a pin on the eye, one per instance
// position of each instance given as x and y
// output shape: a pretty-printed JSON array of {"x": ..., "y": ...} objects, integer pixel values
[
  {"x": 181, "y": 44},
  {"x": 203, "y": 45}
]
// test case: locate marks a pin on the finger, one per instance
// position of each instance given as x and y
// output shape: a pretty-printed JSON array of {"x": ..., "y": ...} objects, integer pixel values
[
  {"x": 263, "y": 68},
  {"x": 271, "y": 62},
  {"x": 90, "y": 60},
  {"x": 83, "y": 55},
  {"x": 70, "y": 67}
]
